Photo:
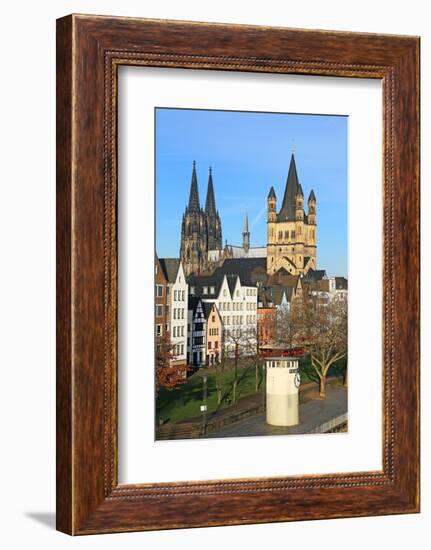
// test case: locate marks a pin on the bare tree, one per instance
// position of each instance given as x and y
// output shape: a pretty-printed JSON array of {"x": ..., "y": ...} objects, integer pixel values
[
  {"x": 219, "y": 367},
  {"x": 239, "y": 343},
  {"x": 325, "y": 335},
  {"x": 290, "y": 325}
]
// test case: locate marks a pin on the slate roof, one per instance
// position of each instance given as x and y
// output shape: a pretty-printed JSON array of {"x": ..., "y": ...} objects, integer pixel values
[
  {"x": 312, "y": 196},
  {"x": 287, "y": 211},
  {"x": 341, "y": 283},
  {"x": 193, "y": 303},
  {"x": 249, "y": 270},
  {"x": 274, "y": 295},
  {"x": 198, "y": 282},
  {"x": 170, "y": 268},
  {"x": 207, "y": 307},
  {"x": 271, "y": 194},
  {"x": 314, "y": 275}
]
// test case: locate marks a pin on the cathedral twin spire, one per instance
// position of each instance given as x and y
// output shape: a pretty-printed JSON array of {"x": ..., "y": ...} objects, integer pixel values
[
  {"x": 194, "y": 202},
  {"x": 201, "y": 228}
]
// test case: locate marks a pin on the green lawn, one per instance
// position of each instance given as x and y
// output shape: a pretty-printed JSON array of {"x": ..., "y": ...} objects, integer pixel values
[{"x": 184, "y": 402}]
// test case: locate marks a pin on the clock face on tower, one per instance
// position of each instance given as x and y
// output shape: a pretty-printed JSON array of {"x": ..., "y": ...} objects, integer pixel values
[{"x": 297, "y": 380}]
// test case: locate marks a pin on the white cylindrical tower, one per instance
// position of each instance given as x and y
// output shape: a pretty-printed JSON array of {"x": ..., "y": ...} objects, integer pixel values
[{"x": 282, "y": 391}]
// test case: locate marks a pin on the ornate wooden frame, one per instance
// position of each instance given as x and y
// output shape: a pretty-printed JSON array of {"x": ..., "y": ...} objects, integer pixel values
[{"x": 89, "y": 51}]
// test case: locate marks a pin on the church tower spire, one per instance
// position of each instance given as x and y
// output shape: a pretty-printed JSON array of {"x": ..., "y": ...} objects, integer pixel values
[
  {"x": 288, "y": 205},
  {"x": 246, "y": 234},
  {"x": 194, "y": 203},
  {"x": 212, "y": 217},
  {"x": 210, "y": 207}
]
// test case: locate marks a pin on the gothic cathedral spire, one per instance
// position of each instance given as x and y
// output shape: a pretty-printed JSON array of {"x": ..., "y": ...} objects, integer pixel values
[
  {"x": 212, "y": 217},
  {"x": 194, "y": 203},
  {"x": 210, "y": 207}
]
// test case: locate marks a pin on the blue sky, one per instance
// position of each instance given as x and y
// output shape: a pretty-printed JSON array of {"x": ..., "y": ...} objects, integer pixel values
[{"x": 249, "y": 152}]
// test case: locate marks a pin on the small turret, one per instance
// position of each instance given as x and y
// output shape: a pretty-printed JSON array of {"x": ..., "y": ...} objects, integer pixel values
[
  {"x": 312, "y": 208},
  {"x": 272, "y": 205},
  {"x": 299, "y": 204}
]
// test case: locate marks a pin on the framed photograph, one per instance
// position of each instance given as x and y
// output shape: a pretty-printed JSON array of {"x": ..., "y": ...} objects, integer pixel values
[{"x": 237, "y": 274}]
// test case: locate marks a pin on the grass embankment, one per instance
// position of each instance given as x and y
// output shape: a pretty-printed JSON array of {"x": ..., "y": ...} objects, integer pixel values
[{"x": 184, "y": 402}]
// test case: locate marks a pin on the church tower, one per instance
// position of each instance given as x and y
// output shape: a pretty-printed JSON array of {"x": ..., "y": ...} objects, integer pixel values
[
  {"x": 212, "y": 217},
  {"x": 291, "y": 243},
  {"x": 194, "y": 237},
  {"x": 246, "y": 234}
]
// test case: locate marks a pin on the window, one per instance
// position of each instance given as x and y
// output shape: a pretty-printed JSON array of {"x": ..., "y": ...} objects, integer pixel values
[
  {"x": 159, "y": 291},
  {"x": 280, "y": 235},
  {"x": 293, "y": 234},
  {"x": 212, "y": 290},
  {"x": 175, "y": 295},
  {"x": 213, "y": 318},
  {"x": 216, "y": 344},
  {"x": 183, "y": 295},
  {"x": 199, "y": 327},
  {"x": 286, "y": 234},
  {"x": 192, "y": 290},
  {"x": 159, "y": 311},
  {"x": 175, "y": 312},
  {"x": 224, "y": 292},
  {"x": 209, "y": 345},
  {"x": 182, "y": 349},
  {"x": 205, "y": 290},
  {"x": 159, "y": 330}
]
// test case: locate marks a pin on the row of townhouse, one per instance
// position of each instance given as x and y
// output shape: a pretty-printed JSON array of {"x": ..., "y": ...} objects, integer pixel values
[
  {"x": 207, "y": 316},
  {"x": 204, "y": 317},
  {"x": 235, "y": 304}
]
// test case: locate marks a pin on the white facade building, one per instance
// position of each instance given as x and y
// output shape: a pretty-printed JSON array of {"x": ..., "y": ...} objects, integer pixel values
[
  {"x": 237, "y": 306},
  {"x": 178, "y": 303}
]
